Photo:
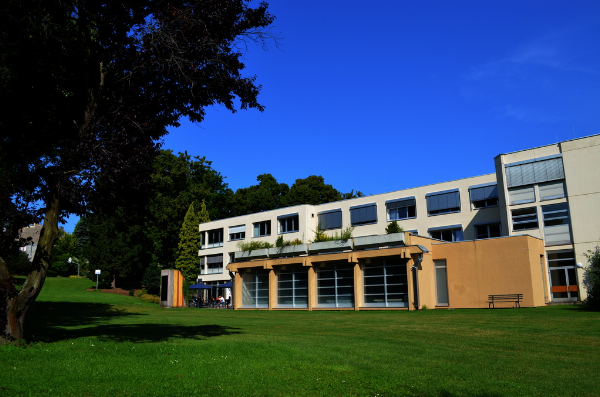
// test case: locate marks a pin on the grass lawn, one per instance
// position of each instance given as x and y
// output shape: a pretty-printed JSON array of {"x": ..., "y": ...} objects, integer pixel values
[{"x": 99, "y": 344}]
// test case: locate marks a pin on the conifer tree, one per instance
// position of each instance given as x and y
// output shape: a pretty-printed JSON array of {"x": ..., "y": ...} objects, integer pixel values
[
  {"x": 189, "y": 243},
  {"x": 203, "y": 213}
]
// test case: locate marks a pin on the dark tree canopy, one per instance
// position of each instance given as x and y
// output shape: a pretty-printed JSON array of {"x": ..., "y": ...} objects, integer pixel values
[
  {"x": 267, "y": 195},
  {"x": 88, "y": 88}
]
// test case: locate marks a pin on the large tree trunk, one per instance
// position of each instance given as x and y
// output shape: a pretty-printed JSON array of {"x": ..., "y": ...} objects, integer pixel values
[{"x": 15, "y": 304}]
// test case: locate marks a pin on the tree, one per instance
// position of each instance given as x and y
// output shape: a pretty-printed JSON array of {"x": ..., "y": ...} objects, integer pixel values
[
  {"x": 178, "y": 180},
  {"x": 203, "y": 213},
  {"x": 189, "y": 243},
  {"x": 267, "y": 195},
  {"x": 91, "y": 87},
  {"x": 65, "y": 248},
  {"x": 393, "y": 227},
  {"x": 312, "y": 190},
  {"x": 591, "y": 279}
]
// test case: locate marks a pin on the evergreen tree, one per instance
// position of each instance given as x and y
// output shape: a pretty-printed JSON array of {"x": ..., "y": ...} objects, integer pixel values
[
  {"x": 394, "y": 227},
  {"x": 189, "y": 244},
  {"x": 203, "y": 213}
]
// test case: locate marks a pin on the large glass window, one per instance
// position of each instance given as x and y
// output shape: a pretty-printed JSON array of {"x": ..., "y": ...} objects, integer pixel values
[
  {"x": 335, "y": 284},
  {"x": 524, "y": 218},
  {"x": 255, "y": 288},
  {"x": 557, "y": 224},
  {"x": 292, "y": 287},
  {"x": 401, "y": 209},
  {"x": 443, "y": 202},
  {"x": 288, "y": 224},
  {"x": 489, "y": 230},
  {"x": 262, "y": 229},
  {"x": 449, "y": 233},
  {"x": 385, "y": 283}
]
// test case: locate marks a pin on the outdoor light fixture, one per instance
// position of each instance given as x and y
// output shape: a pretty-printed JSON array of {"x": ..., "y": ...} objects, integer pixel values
[{"x": 579, "y": 265}]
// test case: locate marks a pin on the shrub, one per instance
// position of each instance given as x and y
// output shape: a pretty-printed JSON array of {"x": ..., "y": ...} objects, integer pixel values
[
  {"x": 591, "y": 279},
  {"x": 131, "y": 292},
  {"x": 150, "y": 298},
  {"x": 394, "y": 227},
  {"x": 141, "y": 292},
  {"x": 253, "y": 245},
  {"x": 343, "y": 235}
]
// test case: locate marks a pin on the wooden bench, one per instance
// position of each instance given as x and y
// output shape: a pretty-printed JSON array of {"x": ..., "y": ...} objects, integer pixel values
[{"x": 516, "y": 298}]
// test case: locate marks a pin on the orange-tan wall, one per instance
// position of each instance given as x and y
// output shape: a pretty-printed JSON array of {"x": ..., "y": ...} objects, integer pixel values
[{"x": 479, "y": 268}]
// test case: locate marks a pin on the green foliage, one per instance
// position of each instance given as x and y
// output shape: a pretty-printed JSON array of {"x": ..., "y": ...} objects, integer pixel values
[
  {"x": 17, "y": 262},
  {"x": 150, "y": 298},
  {"x": 280, "y": 242},
  {"x": 178, "y": 180},
  {"x": 65, "y": 248},
  {"x": 131, "y": 292},
  {"x": 394, "y": 227},
  {"x": 312, "y": 190},
  {"x": 189, "y": 244},
  {"x": 591, "y": 279},
  {"x": 341, "y": 235},
  {"x": 253, "y": 245},
  {"x": 151, "y": 279},
  {"x": 267, "y": 195}
]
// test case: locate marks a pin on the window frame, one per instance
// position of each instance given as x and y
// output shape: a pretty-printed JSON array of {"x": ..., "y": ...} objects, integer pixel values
[
  {"x": 451, "y": 228},
  {"x": 491, "y": 200},
  {"x": 443, "y": 211},
  {"x": 330, "y": 212},
  {"x": 241, "y": 235},
  {"x": 498, "y": 223},
  {"x": 283, "y": 219},
  {"x": 513, "y": 217},
  {"x": 362, "y": 223},
  {"x": 267, "y": 223},
  {"x": 388, "y": 210},
  {"x": 210, "y": 236}
]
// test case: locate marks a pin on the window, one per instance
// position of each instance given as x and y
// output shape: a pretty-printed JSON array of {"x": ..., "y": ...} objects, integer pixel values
[
  {"x": 447, "y": 233},
  {"x": 401, "y": 209},
  {"x": 202, "y": 262},
  {"x": 489, "y": 230},
  {"x": 215, "y": 238},
  {"x": 363, "y": 214},
  {"x": 534, "y": 171},
  {"x": 485, "y": 195},
  {"x": 214, "y": 264},
  {"x": 557, "y": 224},
  {"x": 552, "y": 191},
  {"x": 335, "y": 284},
  {"x": 441, "y": 282},
  {"x": 563, "y": 258},
  {"x": 524, "y": 218},
  {"x": 292, "y": 287},
  {"x": 385, "y": 283},
  {"x": 288, "y": 223},
  {"x": 237, "y": 233},
  {"x": 521, "y": 195},
  {"x": 330, "y": 219},
  {"x": 443, "y": 202},
  {"x": 255, "y": 288},
  {"x": 262, "y": 229}
]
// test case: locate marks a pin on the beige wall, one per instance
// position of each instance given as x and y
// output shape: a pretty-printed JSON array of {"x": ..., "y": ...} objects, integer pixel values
[{"x": 480, "y": 268}]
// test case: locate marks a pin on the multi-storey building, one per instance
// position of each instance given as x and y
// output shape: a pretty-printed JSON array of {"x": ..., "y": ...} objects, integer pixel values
[{"x": 550, "y": 193}]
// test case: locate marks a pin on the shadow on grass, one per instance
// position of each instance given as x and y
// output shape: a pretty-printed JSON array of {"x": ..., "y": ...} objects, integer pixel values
[
  {"x": 446, "y": 393},
  {"x": 47, "y": 322}
]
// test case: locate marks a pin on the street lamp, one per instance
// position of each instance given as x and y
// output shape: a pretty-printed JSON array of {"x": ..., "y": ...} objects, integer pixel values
[{"x": 78, "y": 265}]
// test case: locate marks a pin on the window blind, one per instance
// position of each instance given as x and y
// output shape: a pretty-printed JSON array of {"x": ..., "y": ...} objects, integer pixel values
[
  {"x": 552, "y": 191},
  {"x": 484, "y": 192},
  {"x": 330, "y": 219},
  {"x": 363, "y": 214},
  {"x": 443, "y": 200},
  {"x": 538, "y": 170},
  {"x": 522, "y": 195}
]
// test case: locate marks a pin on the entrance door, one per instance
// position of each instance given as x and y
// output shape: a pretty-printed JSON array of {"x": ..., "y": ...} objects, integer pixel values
[{"x": 563, "y": 276}]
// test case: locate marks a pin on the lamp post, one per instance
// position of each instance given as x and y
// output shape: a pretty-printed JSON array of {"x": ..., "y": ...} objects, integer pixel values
[{"x": 78, "y": 266}]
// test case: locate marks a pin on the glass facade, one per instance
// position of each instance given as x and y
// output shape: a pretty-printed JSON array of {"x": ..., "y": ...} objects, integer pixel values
[
  {"x": 292, "y": 287},
  {"x": 335, "y": 284},
  {"x": 385, "y": 283},
  {"x": 255, "y": 288}
]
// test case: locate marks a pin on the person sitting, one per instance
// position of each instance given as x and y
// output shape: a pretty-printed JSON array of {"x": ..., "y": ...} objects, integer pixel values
[{"x": 221, "y": 301}]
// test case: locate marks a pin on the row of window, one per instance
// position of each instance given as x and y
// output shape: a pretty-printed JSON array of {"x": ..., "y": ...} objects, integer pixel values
[
  {"x": 385, "y": 284},
  {"x": 557, "y": 223},
  {"x": 527, "y": 194},
  {"x": 444, "y": 202}
]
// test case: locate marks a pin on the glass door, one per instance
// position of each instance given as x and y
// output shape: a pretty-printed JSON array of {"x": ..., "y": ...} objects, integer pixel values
[{"x": 564, "y": 285}]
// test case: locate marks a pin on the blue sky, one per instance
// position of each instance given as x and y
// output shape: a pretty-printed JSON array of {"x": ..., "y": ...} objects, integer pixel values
[{"x": 385, "y": 95}]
